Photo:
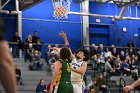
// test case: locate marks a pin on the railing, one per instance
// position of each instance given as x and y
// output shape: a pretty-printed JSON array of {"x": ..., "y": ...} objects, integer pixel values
[
  {"x": 118, "y": 47},
  {"x": 43, "y": 44},
  {"x": 23, "y": 46},
  {"x": 120, "y": 86}
]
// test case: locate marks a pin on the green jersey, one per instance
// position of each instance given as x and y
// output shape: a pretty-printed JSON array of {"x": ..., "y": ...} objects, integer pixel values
[{"x": 65, "y": 85}]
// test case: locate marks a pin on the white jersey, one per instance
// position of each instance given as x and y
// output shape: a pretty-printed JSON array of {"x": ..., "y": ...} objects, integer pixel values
[{"x": 75, "y": 77}]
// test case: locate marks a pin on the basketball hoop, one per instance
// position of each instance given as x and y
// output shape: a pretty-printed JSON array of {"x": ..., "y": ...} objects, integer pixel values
[{"x": 61, "y": 8}]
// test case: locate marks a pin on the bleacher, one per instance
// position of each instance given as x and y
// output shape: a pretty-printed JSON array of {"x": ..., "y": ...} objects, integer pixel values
[{"x": 30, "y": 78}]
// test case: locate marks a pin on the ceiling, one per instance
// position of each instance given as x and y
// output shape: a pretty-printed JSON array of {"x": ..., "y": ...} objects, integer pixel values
[{"x": 26, "y": 4}]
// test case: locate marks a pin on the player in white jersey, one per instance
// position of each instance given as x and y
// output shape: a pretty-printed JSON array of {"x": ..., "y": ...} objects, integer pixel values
[{"x": 78, "y": 66}]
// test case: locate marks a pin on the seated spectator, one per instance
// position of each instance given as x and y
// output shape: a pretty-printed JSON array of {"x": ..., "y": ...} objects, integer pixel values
[
  {"x": 29, "y": 53},
  {"x": 115, "y": 52},
  {"x": 126, "y": 68},
  {"x": 108, "y": 67},
  {"x": 100, "y": 62},
  {"x": 126, "y": 52},
  {"x": 47, "y": 56},
  {"x": 18, "y": 75},
  {"x": 38, "y": 46},
  {"x": 29, "y": 39},
  {"x": 122, "y": 56},
  {"x": 138, "y": 56},
  {"x": 93, "y": 84},
  {"x": 52, "y": 61},
  {"x": 134, "y": 69},
  {"x": 117, "y": 66},
  {"x": 101, "y": 83},
  {"x": 55, "y": 51},
  {"x": 92, "y": 90},
  {"x": 36, "y": 64},
  {"x": 101, "y": 51},
  {"x": 107, "y": 53},
  {"x": 41, "y": 87},
  {"x": 131, "y": 52}
]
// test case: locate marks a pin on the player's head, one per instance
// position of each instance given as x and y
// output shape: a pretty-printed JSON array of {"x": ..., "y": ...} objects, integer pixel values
[
  {"x": 82, "y": 54},
  {"x": 65, "y": 53}
]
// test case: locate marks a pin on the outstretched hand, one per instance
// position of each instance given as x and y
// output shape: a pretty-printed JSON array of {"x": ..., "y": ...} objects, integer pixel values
[
  {"x": 127, "y": 89},
  {"x": 63, "y": 35}
]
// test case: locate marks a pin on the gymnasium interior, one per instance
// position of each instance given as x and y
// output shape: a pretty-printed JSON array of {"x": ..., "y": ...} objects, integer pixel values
[{"x": 104, "y": 27}]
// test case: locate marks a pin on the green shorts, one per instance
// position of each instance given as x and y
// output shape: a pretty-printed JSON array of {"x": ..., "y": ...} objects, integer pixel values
[{"x": 65, "y": 88}]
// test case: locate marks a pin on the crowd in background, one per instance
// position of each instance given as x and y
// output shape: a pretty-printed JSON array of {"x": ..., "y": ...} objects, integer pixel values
[{"x": 114, "y": 61}]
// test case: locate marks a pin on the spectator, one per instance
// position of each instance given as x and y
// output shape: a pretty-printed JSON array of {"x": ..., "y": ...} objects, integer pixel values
[
  {"x": 29, "y": 53},
  {"x": 126, "y": 68},
  {"x": 29, "y": 39},
  {"x": 36, "y": 56},
  {"x": 131, "y": 52},
  {"x": 101, "y": 51},
  {"x": 41, "y": 87},
  {"x": 18, "y": 75},
  {"x": 107, "y": 53},
  {"x": 130, "y": 44},
  {"x": 108, "y": 67},
  {"x": 36, "y": 40},
  {"x": 94, "y": 51},
  {"x": 101, "y": 83},
  {"x": 122, "y": 56},
  {"x": 55, "y": 51},
  {"x": 138, "y": 56},
  {"x": 16, "y": 38},
  {"x": 92, "y": 90},
  {"x": 16, "y": 47},
  {"x": 134, "y": 69},
  {"x": 56, "y": 45},
  {"x": 35, "y": 37},
  {"x": 126, "y": 52},
  {"x": 52, "y": 61},
  {"x": 117, "y": 66},
  {"x": 36, "y": 64},
  {"x": 93, "y": 84},
  {"x": 47, "y": 57},
  {"x": 114, "y": 52},
  {"x": 38, "y": 46}
]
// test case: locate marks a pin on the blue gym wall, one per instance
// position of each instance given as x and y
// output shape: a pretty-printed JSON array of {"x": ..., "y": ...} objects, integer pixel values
[
  {"x": 109, "y": 32},
  {"x": 39, "y": 18}
]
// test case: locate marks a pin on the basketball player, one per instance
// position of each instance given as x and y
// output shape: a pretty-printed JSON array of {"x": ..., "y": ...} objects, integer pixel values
[
  {"x": 7, "y": 72},
  {"x": 62, "y": 73},
  {"x": 78, "y": 66},
  {"x": 132, "y": 86}
]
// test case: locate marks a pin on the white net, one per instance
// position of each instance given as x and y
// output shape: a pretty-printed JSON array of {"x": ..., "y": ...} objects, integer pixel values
[{"x": 61, "y": 8}]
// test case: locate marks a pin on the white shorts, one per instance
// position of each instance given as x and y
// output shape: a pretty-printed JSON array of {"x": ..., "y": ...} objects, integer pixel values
[
  {"x": 77, "y": 88},
  {"x": 55, "y": 89}
]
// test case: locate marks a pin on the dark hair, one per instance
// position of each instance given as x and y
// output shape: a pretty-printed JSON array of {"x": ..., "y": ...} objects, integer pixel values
[
  {"x": 35, "y": 32},
  {"x": 108, "y": 57},
  {"x": 65, "y": 53},
  {"x": 92, "y": 87},
  {"x": 86, "y": 54},
  {"x": 40, "y": 81}
]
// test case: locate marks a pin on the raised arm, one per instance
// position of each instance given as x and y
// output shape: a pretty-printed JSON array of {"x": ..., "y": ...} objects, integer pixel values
[
  {"x": 64, "y": 36},
  {"x": 132, "y": 86}
]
